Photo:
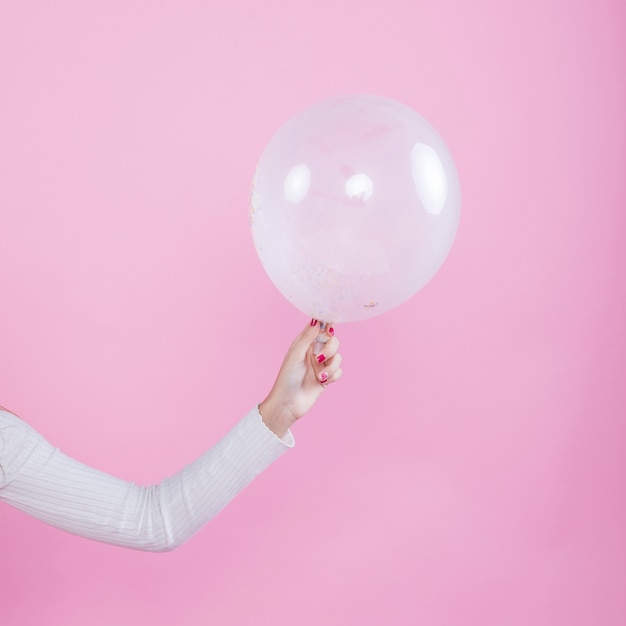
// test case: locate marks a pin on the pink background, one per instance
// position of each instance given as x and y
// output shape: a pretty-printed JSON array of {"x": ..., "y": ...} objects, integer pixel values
[{"x": 470, "y": 467}]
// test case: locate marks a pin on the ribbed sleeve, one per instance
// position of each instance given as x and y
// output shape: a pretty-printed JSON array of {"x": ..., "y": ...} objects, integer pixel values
[{"x": 40, "y": 480}]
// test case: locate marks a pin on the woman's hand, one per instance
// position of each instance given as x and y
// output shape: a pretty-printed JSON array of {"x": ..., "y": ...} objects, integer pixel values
[{"x": 301, "y": 379}]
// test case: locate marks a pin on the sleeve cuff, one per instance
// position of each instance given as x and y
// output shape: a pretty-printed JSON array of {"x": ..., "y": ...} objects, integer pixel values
[{"x": 287, "y": 441}]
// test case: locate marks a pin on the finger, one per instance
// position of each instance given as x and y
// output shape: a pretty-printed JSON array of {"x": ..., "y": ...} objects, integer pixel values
[
  {"x": 335, "y": 377},
  {"x": 327, "y": 352},
  {"x": 332, "y": 365},
  {"x": 329, "y": 380},
  {"x": 329, "y": 370},
  {"x": 305, "y": 339},
  {"x": 308, "y": 333}
]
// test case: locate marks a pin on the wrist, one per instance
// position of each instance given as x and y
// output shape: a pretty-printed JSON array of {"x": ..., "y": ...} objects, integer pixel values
[{"x": 276, "y": 416}]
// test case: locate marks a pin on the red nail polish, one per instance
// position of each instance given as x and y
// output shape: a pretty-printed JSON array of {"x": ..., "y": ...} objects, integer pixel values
[
  {"x": 323, "y": 377},
  {"x": 313, "y": 322},
  {"x": 331, "y": 331},
  {"x": 321, "y": 358}
]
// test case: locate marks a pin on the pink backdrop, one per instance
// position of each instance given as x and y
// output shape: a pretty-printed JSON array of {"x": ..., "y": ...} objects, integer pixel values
[{"x": 470, "y": 468}]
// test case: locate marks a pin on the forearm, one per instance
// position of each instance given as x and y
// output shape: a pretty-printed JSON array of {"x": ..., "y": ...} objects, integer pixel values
[{"x": 207, "y": 485}]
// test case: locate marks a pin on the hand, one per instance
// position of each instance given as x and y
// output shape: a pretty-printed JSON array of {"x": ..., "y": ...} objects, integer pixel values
[{"x": 303, "y": 376}]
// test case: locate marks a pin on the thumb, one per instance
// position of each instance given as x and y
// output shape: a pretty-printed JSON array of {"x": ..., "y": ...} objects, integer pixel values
[
  {"x": 306, "y": 337},
  {"x": 311, "y": 332}
]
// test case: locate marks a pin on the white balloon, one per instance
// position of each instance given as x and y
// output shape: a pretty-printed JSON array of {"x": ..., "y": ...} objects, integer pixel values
[{"x": 355, "y": 205}]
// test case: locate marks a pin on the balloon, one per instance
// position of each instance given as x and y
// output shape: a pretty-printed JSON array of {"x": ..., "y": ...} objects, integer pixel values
[{"x": 355, "y": 204}]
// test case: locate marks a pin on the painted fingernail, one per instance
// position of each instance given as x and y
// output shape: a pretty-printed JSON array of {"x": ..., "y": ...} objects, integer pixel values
[
  {"x": 331, "y": 331},
  {"x": 321, "y": 358},
  {"x": 313, "y": 322},
  {"x": 323, "y": 377}
]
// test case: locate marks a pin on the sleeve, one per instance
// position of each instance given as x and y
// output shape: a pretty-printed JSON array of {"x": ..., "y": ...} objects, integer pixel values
[{"x": 48, "y": 485}]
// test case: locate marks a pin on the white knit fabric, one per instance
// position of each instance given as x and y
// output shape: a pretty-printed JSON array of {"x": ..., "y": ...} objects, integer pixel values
[{"x": 40, "y": 480}]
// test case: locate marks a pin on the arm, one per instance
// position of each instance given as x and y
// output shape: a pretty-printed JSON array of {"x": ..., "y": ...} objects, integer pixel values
[
  {"x": 40, "y": 480},
  {"x": 48, "y": 485}
]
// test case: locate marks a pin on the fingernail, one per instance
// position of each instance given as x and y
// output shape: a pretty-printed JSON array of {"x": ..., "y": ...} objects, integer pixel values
[
  {"x": 323, "y": 377},
  {"x": 321, "y": 358},
  {"x": 313, "y": 322},
  {"x": 331, "y": 331}
]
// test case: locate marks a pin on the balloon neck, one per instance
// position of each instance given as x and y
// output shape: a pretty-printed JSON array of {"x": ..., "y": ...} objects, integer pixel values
[{"x": 322, "y": 338}]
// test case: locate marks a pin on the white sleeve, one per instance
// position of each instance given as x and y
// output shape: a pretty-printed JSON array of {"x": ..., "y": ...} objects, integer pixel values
[{"x": 40, "y": 480}]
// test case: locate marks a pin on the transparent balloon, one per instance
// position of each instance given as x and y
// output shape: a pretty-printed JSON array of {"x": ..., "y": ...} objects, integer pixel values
[{"x": 354, "y": 207}]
